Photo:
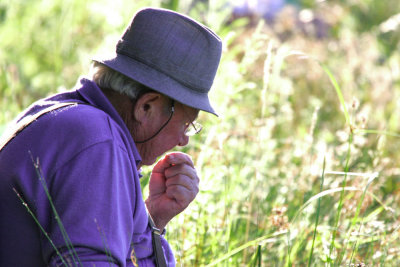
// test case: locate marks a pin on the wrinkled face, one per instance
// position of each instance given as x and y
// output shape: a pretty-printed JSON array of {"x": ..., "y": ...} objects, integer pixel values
[{"x": 172, "y": 135}]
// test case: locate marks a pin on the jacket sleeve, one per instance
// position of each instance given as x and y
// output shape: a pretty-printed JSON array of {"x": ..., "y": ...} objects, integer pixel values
[
  {"x": 98, "y": 199},
  {"x": 94, "y": 194}
]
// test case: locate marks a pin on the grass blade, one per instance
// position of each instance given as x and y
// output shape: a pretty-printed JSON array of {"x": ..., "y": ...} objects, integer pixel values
[
  {"x": 338, "y": 91},
  {"x": 354, "y": 221},
  {"x": 67, "y": 240},
  {"x": 371, "y": 131},
  {"x": 264, "y": 239},
  {"x": 340, "y": 206},
  {"x": 104, "y": 241},
  {"x": 40, "y": 226},
  {"x": 317, "y": 216}
]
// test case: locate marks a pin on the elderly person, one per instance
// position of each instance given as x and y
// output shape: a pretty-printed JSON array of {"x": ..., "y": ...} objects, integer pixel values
[{"x": 86, "y": 147}]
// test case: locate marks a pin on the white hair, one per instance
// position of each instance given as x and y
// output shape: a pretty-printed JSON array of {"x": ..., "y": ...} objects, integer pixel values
[{"x": 107, "y": 78}]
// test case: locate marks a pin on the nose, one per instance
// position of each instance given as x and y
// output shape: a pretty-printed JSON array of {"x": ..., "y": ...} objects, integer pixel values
[{"x": 184, "y": 140}]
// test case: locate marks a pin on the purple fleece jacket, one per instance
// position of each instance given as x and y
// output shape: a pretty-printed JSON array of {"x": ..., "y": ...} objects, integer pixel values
[{"x": 89, "y": 161}]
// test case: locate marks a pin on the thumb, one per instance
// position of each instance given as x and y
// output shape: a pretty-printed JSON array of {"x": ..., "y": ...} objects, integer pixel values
[{"x": 163, "y": 164}]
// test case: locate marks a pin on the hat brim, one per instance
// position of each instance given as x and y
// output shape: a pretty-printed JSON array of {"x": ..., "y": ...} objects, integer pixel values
[{"x": 157, "y": 81}]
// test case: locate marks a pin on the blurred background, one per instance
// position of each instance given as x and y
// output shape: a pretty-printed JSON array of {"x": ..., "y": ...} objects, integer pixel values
[{"x": 302, "y": 166}]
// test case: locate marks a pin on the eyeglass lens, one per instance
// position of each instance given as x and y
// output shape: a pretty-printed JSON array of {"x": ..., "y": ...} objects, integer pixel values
[{"x": 193, "y": 128}]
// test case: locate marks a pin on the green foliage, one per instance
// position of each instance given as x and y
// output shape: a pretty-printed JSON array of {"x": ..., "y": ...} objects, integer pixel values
[
  {"x": 39, "y": 49},
  {"x": 314, "y": 86},
  {"x": 46, "y": 45}
]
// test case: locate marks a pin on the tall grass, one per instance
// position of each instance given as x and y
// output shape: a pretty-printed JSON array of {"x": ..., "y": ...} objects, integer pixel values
[
  {"x": 301, "y": 168},
  {"x": 72, "y": 256},
  {"x": 283, "y": 113}
]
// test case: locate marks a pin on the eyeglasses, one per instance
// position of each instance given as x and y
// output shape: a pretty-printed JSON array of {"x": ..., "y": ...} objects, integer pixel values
[{"x": 193, "y": 128}]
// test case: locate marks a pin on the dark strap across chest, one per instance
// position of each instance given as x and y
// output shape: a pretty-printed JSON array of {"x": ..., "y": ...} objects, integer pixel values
[{"x": 18, "y": 127}]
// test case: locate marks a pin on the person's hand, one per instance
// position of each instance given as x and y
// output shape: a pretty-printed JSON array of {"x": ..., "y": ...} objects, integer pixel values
[{"x": 173, "y": 185}]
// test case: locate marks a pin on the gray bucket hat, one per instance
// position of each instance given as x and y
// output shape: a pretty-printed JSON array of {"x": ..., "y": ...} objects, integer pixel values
[{"x": 169, "y": 53}]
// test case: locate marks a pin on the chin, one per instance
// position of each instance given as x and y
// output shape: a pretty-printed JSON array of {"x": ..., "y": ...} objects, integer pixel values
[
  {"x": 148, "y": 162},
  {"x": 151, "y": 159}
]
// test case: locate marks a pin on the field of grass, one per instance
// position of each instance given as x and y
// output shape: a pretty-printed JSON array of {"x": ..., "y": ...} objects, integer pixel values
[{"x": 301, "y": 168}]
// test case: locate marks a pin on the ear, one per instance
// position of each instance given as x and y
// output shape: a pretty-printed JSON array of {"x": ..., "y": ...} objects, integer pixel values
[{"x": 147, "y": 107}]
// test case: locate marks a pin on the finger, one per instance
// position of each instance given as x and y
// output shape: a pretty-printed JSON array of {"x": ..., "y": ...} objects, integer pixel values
[
  {"x": 161, "y": 165},
  {"x": 175, "y": 158},
  {"x": 171, "y": 159},
  {"x": 181, "y": 169},
  {"x": 181, "y": 194},
  {"x": 184, "y": 181}
]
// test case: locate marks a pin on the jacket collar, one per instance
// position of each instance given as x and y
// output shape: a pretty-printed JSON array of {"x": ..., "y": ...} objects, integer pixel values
[{"x": 93, "y": 95}]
